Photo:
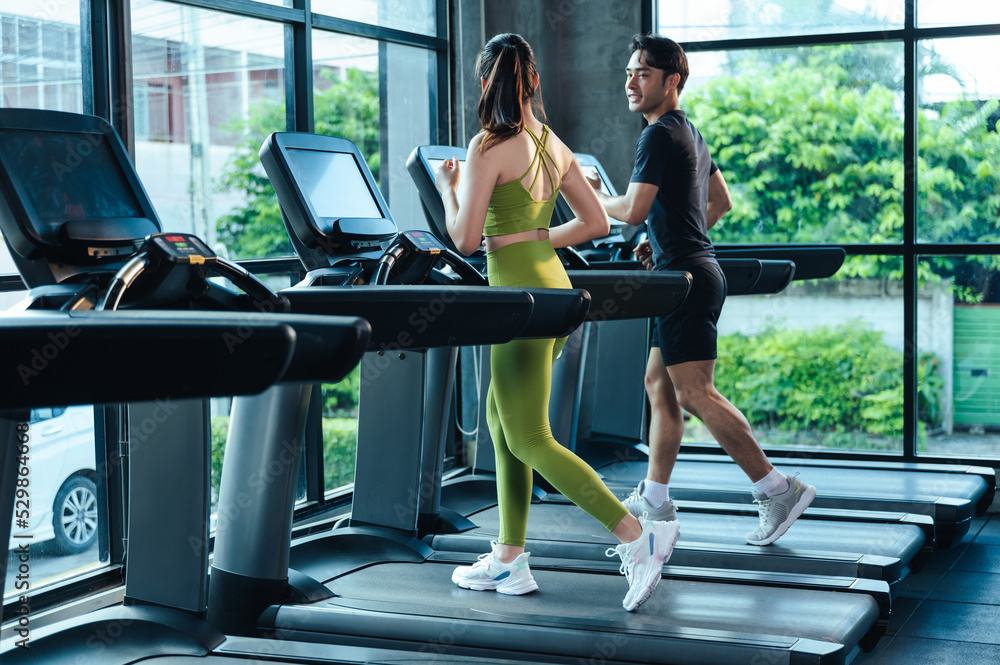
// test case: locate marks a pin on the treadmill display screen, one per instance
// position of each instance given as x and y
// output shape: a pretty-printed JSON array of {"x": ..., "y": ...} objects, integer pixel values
[
  {"x": 590, "y": 172},
  {"x": 433, "y": 165},
  {"x": 72, "y": 175},
  {"x": 332, "y": 183}
]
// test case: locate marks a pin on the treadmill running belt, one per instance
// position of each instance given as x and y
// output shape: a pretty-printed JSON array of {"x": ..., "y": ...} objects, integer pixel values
[
  {"x": 558, "y": 523},
  {"x": 580, "y": 615},
  {"x": 830, "y": 482},
  {"x": 950, "y": 498}
]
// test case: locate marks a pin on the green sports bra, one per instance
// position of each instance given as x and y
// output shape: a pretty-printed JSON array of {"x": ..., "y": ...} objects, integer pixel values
[{"x": 512, "y": 208}]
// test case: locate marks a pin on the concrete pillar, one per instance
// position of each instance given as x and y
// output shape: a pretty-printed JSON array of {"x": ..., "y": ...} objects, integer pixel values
[{"x": 582, "y": 49}]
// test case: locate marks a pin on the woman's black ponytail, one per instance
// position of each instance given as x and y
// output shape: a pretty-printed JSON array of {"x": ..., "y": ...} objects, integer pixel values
[{"x": 508, "y": 65}]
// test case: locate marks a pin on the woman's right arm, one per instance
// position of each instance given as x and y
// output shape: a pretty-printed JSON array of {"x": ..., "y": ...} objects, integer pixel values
[
  {"x": 591, "y": 219},
  {"x": 467, "y": 198}
]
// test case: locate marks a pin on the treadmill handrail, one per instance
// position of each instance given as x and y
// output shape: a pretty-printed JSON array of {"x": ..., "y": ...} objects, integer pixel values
[
  {"x": 810, "y": 262},
  {"x": 636, "y": 294},
  {"x": 418, "y": 317}
]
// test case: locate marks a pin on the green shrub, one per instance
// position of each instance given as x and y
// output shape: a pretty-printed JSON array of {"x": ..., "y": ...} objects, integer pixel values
[
  {"x": 835, "y": 380},
  {"x": 340, "y": 444},
  {"x": 219, "y": 428},
  {"x": 341, "y": 399}
]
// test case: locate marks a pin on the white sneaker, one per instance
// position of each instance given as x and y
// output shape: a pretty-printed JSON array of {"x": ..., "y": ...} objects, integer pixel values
[
  {"x": 643, "y": 559},
  {"x": 491, "y": 574},
  {"x": 778, "y": 512}
]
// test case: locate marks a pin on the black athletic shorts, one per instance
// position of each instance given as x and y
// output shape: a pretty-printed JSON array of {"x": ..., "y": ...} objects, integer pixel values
[{"x": 690, "y": 333}]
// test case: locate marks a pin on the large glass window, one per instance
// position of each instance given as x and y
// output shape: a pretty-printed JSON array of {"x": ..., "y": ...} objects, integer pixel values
[
  {"x": 57, "y": 517},
  {"x": 708, "y": 20},
  {"x": 208, "y": 86},
  {"x": 958, "y": 332},
  {"x": 810, "y": 141},
  {"x": 346, "y": 92},
  {"x": 820, "y": 364},
  {"x": 56, "y": 511},
  {"x": 409, "y": 15},
  {"x": 40, "y": 64},
  {"x": 353, "y": 78},
  {"x": 934, "y": 13},
  {"x": 958, "y": 177}
]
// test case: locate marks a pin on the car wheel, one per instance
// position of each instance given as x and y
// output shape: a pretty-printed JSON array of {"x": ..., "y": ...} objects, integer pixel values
[{"x": 74, "y": 515}]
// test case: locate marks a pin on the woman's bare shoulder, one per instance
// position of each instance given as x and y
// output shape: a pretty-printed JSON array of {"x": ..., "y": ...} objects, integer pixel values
[
  {"x": 559, "y": 151},
  {"x": 476, "y": 141}
]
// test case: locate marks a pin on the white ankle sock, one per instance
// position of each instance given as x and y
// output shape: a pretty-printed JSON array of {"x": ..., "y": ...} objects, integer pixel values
[
  {"x": 771, "y": 484},
  {"x": 655, "y": 493}
]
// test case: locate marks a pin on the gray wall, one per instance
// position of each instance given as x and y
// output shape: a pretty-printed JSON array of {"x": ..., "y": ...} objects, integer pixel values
[{"x": 582, "y": 49}]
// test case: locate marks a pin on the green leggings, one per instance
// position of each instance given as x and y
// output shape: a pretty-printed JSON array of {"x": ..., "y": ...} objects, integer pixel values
[{"x": 517, "y": 407}]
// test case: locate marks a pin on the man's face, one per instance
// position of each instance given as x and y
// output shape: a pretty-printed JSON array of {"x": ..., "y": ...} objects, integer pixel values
[{"x": 645, "y": 87}]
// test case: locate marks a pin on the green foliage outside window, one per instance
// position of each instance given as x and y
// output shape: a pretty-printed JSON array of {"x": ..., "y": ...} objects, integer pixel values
[
  {"x": 828, "y": 380},
  {"x": 340, "y": 444},
  {"x": 347, "y": 108},
  {"x": 811, "y": 144},
  {"x": 341, "y": 399}
]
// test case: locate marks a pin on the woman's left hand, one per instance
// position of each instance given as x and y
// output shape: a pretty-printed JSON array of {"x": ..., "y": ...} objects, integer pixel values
[{"x": 446, "y": 175}]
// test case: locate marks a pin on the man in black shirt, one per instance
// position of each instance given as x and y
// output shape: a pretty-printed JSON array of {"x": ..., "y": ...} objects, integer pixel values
[{"x": 679, "y": 192}]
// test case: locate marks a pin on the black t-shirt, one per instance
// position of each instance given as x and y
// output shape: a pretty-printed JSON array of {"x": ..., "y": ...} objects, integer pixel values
[{"x": 671, "y": 154}]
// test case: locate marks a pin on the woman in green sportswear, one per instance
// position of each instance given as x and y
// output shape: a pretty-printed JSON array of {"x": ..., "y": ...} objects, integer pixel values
[{"x": 515, "y": 169}]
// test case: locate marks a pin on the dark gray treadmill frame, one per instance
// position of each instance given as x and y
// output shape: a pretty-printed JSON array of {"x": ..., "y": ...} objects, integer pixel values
[
  {"x": 442, "y": 609},
  {"x": 325, "y": 556}
]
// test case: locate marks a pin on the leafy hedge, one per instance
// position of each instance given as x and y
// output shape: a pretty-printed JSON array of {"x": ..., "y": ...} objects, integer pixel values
[
  {"x": 340, "y": 442},
  {"x": 841, "y": 379}
]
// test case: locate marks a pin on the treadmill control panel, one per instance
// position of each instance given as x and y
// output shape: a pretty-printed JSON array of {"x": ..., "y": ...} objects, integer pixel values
[
  {"x": 422, "y": 242},
  {"x": 180, "y": 248}
]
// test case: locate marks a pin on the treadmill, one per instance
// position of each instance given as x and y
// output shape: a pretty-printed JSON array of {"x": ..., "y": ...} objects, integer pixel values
[
  {"x": 950, "y": 494},
  {"x": 883, "y": 546},
  {"x": 80, "y": 246},
  {"x": 376, "y": 585}
]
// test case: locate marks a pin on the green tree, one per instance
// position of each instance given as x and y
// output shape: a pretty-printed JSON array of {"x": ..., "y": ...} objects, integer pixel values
[
  {"x": 348, "y": 108},
  {"x": 811, "y": 142},
  {"x": 342, "y": 398}
]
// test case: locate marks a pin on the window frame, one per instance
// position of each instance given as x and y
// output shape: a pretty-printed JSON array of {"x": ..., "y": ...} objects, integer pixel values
[
  {"x": 909, "y": 249},
  {"x": 106, "y": 58}
]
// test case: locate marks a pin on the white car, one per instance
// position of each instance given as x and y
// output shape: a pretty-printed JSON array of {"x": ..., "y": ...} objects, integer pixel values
[{"x": 62, "y": 501}]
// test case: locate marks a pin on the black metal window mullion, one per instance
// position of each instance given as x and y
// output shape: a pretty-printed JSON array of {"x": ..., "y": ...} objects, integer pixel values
[
  {"x": 120, "y": 98},
  {"x": 249, "y": 9},
  {"x": 95, "y": 58},
  {"x": 299, "y": 116},
  {"x": 440, "y": 98},
  {"x": 911, "y": 351},
  {"x": 106, "y": 59}
]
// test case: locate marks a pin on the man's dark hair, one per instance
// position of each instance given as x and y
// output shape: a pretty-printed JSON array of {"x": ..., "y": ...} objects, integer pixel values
[{"x": 663, "y": 53}]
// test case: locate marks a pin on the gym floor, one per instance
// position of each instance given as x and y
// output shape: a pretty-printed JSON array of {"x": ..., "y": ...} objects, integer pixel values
[{"x": 949, "y": 612}]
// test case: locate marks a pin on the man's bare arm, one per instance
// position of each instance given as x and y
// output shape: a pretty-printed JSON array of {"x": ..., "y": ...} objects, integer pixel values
[
  {"x": 719, "y": 202},
  {"x": 633, "y": 206}
]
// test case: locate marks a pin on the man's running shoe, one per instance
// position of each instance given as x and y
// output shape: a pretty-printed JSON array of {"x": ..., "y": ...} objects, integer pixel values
[
  {"x": 643, "y": 559},
  {"x": 491, "y": 574},
  {"x": 637, "y": 505},
  {"x": 779, "y": 511}
]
